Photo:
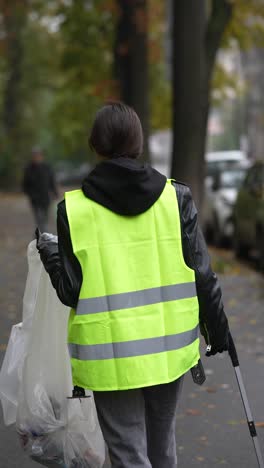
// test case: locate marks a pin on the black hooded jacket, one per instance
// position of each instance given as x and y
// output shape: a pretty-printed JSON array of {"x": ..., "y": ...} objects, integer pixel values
[{"x": 129, "y": 187}]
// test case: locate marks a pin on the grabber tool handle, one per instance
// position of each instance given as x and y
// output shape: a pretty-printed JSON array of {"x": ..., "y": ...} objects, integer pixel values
[
  {"x": 232, "y": 351},
  {"x": 251, "y": 425}
]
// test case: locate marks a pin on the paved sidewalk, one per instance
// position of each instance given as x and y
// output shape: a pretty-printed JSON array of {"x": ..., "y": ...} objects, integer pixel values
[{"x": 211, "y": 426}]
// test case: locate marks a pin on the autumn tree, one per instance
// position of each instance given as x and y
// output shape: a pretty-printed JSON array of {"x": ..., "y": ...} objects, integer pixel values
[
  {"x": 131, "y": 59},
  {"x": 199, "y": 29},
  {"x": 85, "y": 71},
  {"x": 49, "y": 99},
  {"x": 196, "y": 39},
  {"x": 14, "y": 18},
  {"x": 159, "y": 75},
  {"x": 27, "y": 82}
]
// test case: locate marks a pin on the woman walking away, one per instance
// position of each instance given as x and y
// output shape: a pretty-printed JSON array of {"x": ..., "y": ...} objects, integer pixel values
[{"x": 132, "y": 263}]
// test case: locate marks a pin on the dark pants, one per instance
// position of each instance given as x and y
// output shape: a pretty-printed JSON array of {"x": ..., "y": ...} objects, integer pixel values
[
  {"x": 139, "y": 425},
  {"x": 41, "y": 213}
]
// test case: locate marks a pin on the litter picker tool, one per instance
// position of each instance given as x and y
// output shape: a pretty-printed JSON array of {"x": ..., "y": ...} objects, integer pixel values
[{"x": 251, "y": 425}]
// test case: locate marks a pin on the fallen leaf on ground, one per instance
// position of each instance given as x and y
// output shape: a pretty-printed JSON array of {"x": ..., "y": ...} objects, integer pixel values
[
  {"x": 232, "y": 319},
  {"x": 203, "y": 441},
  {"x": 193, "y": 412},
  {"x": 224, "y": 385},
  {"x": 232, "y": 303},
  {"x": 211, "y": 389},
  {"x": 259, "y": 424},
  {"x": 260, "y": 359}
]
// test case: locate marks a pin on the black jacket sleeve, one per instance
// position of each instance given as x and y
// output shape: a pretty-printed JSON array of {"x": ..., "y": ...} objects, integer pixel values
[
  {"x": 213, "y": 321},
  {"x": 61, "y": 264}
]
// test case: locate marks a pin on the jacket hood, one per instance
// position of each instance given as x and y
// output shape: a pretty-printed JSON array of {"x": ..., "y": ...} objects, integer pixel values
[{"x": 123, "y": 185}]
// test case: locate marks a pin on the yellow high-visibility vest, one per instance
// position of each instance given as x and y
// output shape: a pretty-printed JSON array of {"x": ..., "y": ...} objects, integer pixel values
[{"x": 136, "y": 322}]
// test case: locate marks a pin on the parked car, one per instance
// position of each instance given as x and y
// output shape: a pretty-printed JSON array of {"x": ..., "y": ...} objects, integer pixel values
[
  {"x": 220, "y": 196},
  {"x": 249, "y": 214},
  {"x": 223, "y": 160}
]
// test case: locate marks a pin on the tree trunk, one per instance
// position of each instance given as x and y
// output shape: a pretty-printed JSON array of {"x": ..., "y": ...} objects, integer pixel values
[
  {"x": 196, "y": 40},
  {"x": 14, "y": 20},
  {"x": 131, "y": 60},
  {"x": 190, "y": 105}
]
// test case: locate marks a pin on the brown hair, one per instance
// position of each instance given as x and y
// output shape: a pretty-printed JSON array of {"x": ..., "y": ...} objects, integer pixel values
[{"x": 116, "y": 132}]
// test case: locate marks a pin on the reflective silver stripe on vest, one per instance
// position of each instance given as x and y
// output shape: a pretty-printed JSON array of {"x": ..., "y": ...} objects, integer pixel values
[
  {"x": 133, "y": 348},
  {"x": 133, "y": 299}
]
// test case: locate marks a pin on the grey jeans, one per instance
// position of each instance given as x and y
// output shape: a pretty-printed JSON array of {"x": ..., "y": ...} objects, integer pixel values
[{"x": 139, "y": 425}]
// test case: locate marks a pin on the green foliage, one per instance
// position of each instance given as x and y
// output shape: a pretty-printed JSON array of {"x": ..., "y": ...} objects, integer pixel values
[
  {"x": 247, "y": 24},
  {"x": 160, "y": 98},
  {"x": 245, "y": 30},
  {"x": 67, "y": 71},
  {"x": 40, "y": 80},
  {"x": 160, "y": 85},
  {"x": 225, "y": 83},
  {"x": 86, "y": 35}
]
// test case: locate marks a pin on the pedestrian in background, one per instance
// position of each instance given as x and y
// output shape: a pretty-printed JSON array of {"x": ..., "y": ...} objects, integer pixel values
[
  {"x": 132, "y": 263},
  {"x": 40, "y": 187}
]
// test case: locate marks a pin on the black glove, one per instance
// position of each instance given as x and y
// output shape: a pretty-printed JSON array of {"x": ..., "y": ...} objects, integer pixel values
[
  {"x": 47, "y": 245},
  {"x": 219, "y": 348},
  {"x": 78, "y": 392}
]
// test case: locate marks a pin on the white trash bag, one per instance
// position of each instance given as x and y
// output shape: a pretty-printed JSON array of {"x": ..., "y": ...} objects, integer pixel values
[
  {"x": 54, "y": 430},
  {"x": 10, "y": 374},
  {"x": 62, "y": 435},
  {"x": 11, "y": 371}
]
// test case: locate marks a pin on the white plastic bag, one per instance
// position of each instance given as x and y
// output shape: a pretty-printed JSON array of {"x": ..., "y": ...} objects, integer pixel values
[
  {"x": 70, "y": 436},
  {"x": 11, "y": 370},
  {"x": 54, "y": 430},
  {"x": 10, "y": 373}
]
